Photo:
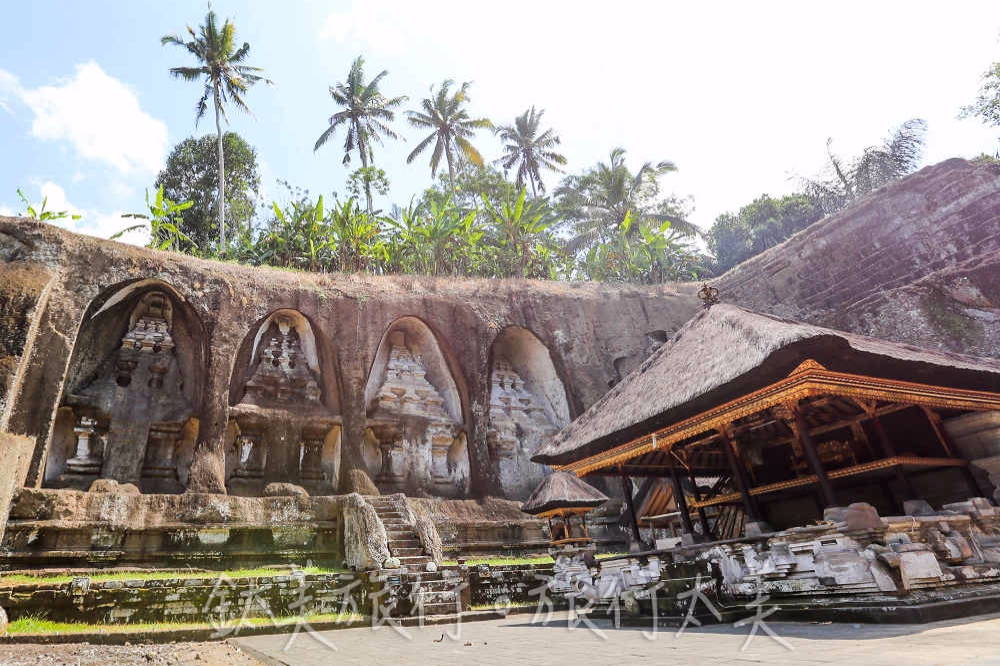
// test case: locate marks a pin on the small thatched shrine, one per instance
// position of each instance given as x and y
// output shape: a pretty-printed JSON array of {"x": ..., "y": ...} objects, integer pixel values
[{"x": 561, "y": 497}]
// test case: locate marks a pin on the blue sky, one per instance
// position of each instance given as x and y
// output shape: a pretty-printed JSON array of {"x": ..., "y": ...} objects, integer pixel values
[{"x": 741, "y": 96}]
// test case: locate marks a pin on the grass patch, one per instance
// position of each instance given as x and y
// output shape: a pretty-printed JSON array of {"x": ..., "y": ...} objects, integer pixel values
[
  {"x": 501, "y": 561},
  {"x": 501, "y": 607},
  {"x": 28, "y": 579},
  {"x": 33, "y": 625}
]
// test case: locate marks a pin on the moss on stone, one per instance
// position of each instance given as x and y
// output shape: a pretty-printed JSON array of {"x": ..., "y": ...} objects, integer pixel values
[{"x": 960, "y": 333}]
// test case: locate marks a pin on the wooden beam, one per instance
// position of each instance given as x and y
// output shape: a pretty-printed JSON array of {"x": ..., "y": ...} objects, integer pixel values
[
  {"x": 830, "y": 427},
  {"x": 739, "y": 475},
  {"x": 702, "y": 518},
  {"x": 812, "y": 456},
  {"x": 680, "y": 501},
  {"x": 889, "y": 451},
  {"x": 942, "y": 437},
  {"x": 842, "y": 473},
  {"x": 630, "y": 506}
]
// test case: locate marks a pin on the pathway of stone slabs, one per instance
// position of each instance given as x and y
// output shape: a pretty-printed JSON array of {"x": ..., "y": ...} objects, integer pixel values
[{"x": 523, "y": 640}]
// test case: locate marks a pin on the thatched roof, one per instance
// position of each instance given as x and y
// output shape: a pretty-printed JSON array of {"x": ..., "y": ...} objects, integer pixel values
[
  {"x": 563, "y": 490},
  {"x": 725, "y": 352}
]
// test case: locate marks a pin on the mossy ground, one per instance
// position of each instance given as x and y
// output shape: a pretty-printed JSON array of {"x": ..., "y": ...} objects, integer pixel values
[
  {"x": 56, "y": 579},
  {"x": 33, "y": 625}
]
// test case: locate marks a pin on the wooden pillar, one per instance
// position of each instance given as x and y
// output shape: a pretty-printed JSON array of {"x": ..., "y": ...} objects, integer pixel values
[
  {"x": 812, "y": 457},
  {"x": 739, "y": 475},
  {"x": 890, "y": 452},
  {"x": 630, "y": 505},
  {"x": 897, "y": 506},
  {"x": 680, "y": 501},
  {"x": 702, "y": 518}
]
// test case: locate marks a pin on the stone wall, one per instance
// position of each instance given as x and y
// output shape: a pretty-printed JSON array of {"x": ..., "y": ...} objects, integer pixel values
[
  {"x": 214, "y": 599},
  {"x": 67, "y": 528},
  {"x": 15, "y": 456}
]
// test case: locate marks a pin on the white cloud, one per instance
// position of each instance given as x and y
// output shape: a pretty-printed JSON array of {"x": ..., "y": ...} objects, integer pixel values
[
  {"x": 365, "y": 21},
  {"x": 7, "y": 211},
  {"x": 90, "y": 222},
  {"x": 97, "y": 114},
  {"x": 9, "y": 88}
]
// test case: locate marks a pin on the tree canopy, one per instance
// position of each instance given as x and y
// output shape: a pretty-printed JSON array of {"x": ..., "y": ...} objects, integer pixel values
[{"x": 191, "y": 174}]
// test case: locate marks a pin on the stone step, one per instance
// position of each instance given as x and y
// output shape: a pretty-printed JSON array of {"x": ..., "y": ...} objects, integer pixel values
[
  {"x": 405, "y": 552},
  {"x": 408, "y": 541},
  {"x": 431, "y": 598},
  {"x": 417, "y": 562},
  {"x": 440, "y": 609},
  {"x": 400, "y": 534},
  {"x": 433, "y": 586}
]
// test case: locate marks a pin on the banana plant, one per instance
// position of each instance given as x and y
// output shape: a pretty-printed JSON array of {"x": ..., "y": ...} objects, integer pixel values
[
  {"x": 41, "y": 214},
  {"x": 163, "y": 220},
  {"x": 519, "y": 226}
]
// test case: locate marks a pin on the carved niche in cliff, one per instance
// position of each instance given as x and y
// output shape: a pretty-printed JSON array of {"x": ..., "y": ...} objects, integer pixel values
[
  {"x": 127, "y": 413},
  {"x": 415, "y": 442},
  {"x": 285, "y": 413},
  {"x": 527, "y": 404}
]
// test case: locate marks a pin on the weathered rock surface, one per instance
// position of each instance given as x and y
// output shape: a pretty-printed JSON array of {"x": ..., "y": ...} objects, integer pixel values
[
  {"x": 284, "y": 490},
  {"x": 79, "y": 297},
  {"x": 918, "y": 262}
]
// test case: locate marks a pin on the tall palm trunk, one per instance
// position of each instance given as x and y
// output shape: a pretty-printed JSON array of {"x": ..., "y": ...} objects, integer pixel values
[
  {"x": 451, "y": 170},
  {"x": 222, "y": 179},
  {"x": 368, "y": 180}
]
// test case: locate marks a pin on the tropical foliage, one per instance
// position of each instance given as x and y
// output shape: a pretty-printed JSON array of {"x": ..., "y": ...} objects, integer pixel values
[
  {"x": 530, "y": 149},
  {"x": 987, "y": 104},
  {"x": 226, "y": 80},
  {"x": 42, "y": 213},
  {"x": 165, "y": 219},
  {"x": 846, "y": 181},
  {"x": 764, "y": 223},
  {"x": 451, "y": 126},
  {"x": 366, "y": 114},
  {"x": 191, "y": 174}
]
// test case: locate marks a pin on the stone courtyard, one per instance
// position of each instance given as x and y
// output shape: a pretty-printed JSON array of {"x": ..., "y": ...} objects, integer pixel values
[{"x": 520, "y": 640}]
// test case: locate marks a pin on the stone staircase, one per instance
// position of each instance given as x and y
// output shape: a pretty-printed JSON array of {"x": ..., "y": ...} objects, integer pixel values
[
  {"x": 432, "y": 593},
  {"x": 404, "y": 544}
]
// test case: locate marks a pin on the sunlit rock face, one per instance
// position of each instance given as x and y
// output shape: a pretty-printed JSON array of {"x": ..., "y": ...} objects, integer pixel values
[
  {"x": 127, "y": 413},
  {"x": 285, "y": 423},
  {"x": 524, "y": 408},
  {"x": 918, "y": 261},
  {"x": 415, "y": 441}
]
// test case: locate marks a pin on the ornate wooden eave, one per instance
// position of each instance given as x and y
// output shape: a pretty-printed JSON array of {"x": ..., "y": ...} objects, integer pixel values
[{"x": 809, "y": 379}]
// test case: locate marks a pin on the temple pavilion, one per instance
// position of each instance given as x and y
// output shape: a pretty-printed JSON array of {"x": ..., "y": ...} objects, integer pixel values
[
  {"x": 745, "y": 423},
  {"x": 565, "y": 501}
]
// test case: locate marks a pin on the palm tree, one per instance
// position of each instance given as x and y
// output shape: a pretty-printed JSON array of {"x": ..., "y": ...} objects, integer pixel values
[
  {"x": 227, "y": 79},
  {"x": 847, "y": 181},
  {"x": 450, "y": 126},
  {"x": 602, "y": 198},
  {"x": 530, "y": 149},
  {"x": 366, "y": 112}
]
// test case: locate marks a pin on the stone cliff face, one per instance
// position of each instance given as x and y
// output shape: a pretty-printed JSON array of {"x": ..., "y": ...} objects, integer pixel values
[
  {"x": 435, "y": 386},
  {"x": 917, "y": 262},
  {"x": 317, "y": 347}
]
